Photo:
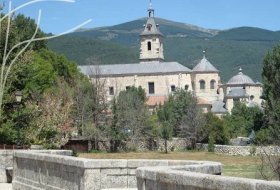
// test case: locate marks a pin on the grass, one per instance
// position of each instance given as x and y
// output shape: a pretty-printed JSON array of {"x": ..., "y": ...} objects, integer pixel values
[{"x": 238, "y": 166}]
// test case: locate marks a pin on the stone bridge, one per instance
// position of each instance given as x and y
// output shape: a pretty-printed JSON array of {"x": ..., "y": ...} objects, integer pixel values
[{"x": 42, "y": 170}]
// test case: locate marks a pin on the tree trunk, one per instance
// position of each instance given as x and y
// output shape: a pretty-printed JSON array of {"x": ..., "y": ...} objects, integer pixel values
[{"x": 165, "y": 145}]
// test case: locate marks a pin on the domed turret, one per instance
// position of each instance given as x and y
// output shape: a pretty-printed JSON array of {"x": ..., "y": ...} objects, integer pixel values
[
  {"x": 204, "y": 66},
  {"x": 241, "y": 79}
]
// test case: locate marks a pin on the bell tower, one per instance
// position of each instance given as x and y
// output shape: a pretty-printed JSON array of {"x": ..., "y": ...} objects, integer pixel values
[{"x": 151, "y": 47}]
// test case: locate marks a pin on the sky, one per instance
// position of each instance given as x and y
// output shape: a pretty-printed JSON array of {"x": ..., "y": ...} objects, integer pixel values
[{"x": 213, "y": 14}]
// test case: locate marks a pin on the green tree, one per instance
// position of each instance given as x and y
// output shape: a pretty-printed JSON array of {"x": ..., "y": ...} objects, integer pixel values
[
  {"x": 165, "y": 117},
  {"x": 129, "y": 116},
  {"x": 243, "y": 120},
  {"x": 182, "y": 113},
  {"x": 271, "y": 92},
  {"x": 215, "y": 129},
  {"x": 270, "y": 133}
]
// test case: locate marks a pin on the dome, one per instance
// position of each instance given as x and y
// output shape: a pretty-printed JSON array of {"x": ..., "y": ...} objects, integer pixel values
[
  {"x": 240, "y": 79},
  {"x": 204, "y": 66}
]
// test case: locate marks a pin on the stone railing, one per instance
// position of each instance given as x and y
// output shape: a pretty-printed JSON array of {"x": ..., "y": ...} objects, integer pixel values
[
  {"x": 44, "y": 171},
  {"x": 6, "y": 160},
  {"x": 195, "y": 178},
  {"x": 242, "y": 150}
]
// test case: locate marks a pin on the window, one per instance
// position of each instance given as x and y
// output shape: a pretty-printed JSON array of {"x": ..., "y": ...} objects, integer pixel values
[
  {"x": 149, "y": 27},
  {"x": 151, "y": 87},
  {"x": 127, "y": 87},
  {"x": 111, "y": 91},
  {"x": 252, "y": 97},
  {"x": 173, "y": 88},
  {"x": 149, "y": 46},
  {"x": 212, "y": 84},
  {"x": 186, "y": 87},
  {"x": 202, "y": 84}
]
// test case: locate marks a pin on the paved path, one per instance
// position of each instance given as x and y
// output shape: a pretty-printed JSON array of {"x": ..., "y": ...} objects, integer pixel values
[{"x": 5, "y": 186}]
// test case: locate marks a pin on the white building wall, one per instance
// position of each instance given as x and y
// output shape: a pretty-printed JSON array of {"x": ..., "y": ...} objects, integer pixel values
[
  {"x": 162, "y": 83},
  {"x": 207, "y": 93},
  {"x": 156, "y": 51}
]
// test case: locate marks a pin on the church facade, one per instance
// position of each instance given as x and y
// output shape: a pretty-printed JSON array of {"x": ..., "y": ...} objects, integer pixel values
[{"x": 159, "y": 78}]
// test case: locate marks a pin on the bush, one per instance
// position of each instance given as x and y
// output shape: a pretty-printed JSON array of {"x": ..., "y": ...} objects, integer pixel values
[{"x": 211, "y": 144}]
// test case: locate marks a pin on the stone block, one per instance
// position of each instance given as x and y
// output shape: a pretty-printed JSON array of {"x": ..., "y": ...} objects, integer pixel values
[{"x": 3, "y": 175}]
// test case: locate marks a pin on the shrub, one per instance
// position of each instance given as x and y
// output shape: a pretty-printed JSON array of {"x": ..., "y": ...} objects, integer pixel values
[{"x": 211, "y": 144}]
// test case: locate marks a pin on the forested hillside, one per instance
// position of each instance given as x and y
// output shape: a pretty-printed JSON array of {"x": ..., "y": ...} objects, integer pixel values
[{"x": 227, "y": 50}]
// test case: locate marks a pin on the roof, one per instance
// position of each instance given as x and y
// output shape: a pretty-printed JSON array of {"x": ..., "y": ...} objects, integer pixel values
[
  {"x": 218, "y": 106},
  {"x": 205, "y": 66},
  {"x": 151, "y": 28},
  {"x": 143, "y": 68},
  {"x": 241, "y": 79},
  {"x": 201, "y": 101},
  {"x": 237, "y": 92},
  {"x": 156, "y": 100}
]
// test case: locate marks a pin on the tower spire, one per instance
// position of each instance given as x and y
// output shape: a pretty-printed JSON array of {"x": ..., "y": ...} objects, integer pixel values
[
  {"x": 151, "y": 10},
  {"x": 240, "y": 70},
  {"x": 204, "y": 52}
]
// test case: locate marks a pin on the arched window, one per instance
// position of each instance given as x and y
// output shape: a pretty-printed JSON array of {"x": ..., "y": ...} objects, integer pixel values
[
  {"x": 212, "y": 84},
  {"x": 202, "y": 84},
  {"x": 149, "y": 46}
]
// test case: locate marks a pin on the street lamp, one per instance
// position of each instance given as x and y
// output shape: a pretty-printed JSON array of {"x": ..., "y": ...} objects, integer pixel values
[{"x": 18, "y": 95}]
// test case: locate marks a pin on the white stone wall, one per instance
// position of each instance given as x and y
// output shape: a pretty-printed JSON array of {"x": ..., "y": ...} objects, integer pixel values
[
  {"x": 242, "y": 150},
  {"x": 255, "y": 91},
  {"x": 156, "y": 51},
  {"x": 6, "y": 159},
  {"x": 44, "y": 171},
  {"x": 162, "y": 83},
  {"x": 207, "y": 93},
  {"x": 196, "y": 178}
]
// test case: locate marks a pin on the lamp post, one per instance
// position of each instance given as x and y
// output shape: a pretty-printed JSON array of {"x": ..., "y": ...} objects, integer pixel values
[{"x": 18, "y": 95}]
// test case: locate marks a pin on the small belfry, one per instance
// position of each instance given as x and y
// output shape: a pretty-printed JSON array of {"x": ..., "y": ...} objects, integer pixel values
[{"x": 151, "y": 48}]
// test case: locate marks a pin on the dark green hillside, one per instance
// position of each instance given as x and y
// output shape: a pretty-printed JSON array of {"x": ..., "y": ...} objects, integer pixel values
[
  {"x": 84, "y": 50},
  {"x": 227, "y": 50},
  {"x": 227, "y": 56},
  {"x": 248, "y": 34}
]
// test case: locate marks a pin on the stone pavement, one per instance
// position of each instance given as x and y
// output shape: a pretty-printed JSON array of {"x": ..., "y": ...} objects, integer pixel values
[{"x": 5, "y": 186}]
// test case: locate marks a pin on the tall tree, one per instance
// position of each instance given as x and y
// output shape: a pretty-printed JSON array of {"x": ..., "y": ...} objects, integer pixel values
[
  {"x": 243, "y": 120},
  {"x": 270, "y": 168},
  {"x": 183, "y": 115},
  {"x": 271, "y": 92},
  {"x": 130, "y": 115}
]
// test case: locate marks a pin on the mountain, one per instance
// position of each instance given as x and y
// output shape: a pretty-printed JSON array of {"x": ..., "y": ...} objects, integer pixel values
[
  {"x": 248, "y": 34},
  {"x": 227, "y": 50}
]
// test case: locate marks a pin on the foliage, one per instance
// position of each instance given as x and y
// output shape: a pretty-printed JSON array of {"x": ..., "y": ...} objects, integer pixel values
[
  {"x": 166, "y": 132},
  {"x": 25, "y": 27},
  {"x": 214, "y": 129},
  {"x": 182, "y": 114},
  {"x": 264, "y": 137},
  {"x": 54, "y": 123},
  {"x": 243, "y": 120},
  {"x": 271, "y": 81},
  {"x": 211, "y": 144},
  {"x": 270, "y": 132},
  {"x": 129, "y": 116},
  {"x": 46, "y": 79}
]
